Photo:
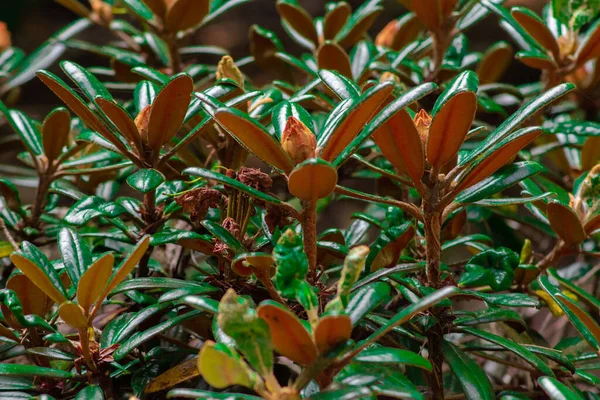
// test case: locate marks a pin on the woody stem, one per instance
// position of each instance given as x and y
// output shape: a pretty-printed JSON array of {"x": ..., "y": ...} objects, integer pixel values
[{"x": 309, "y": 229}]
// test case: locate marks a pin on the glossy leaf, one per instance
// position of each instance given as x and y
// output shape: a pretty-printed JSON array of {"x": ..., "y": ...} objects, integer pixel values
[
  {"x": 472, "y": 379},
  {"x": 290, "y": 338},
  {"x": 75, "y": 253},
  {"x": 254, "y": 137},
  {"x": 339, "y": 84},
  {"x": 94, "y": 280},
  {"x": 330, "y": 56},
  {"x": 453, "y": 115},
  {"x": 298, "y": 23},
  {"x": 312, "y": 179},
  {"x": 42, "y": 274},
  {"x": 169, "y": 109},
  {"x": 55, "y": 132},
  {"x": 180, "y": 373},
  {"x": 536, "y": 27},
  {"x": 145, "y": 180},
  {"x": 122, "y": 121},
  {"x": 332, "y": 330},
  {"x": 386, "y": 355},
  {"x": 565, "y": 223},
  {"x": 556, "y": 390},
  {"x": 185, "y": 14},
  {"x": 73, "y": 315}
]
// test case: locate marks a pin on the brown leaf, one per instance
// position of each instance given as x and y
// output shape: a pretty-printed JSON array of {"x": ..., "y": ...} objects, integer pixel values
[
  {"x": 331, "y": 56},
  {"x": 185, "y": 14},
  {"x": 332, "y": 330},
  {"x": 123, "y": 122},
  {"x": 55, "y": 132},
  {"x": 494, "y": 63},
  {"x": 335, "y": 19},
  {"x": 565, "y": 223},
  {"x": 538, "y": 31},
  {"x": 299, "y": 20}
]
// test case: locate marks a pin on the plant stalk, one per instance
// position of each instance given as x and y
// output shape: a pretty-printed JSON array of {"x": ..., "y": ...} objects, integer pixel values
[
  {"x": 309, "y": 233},
  {"x": 150, "y": 219}
]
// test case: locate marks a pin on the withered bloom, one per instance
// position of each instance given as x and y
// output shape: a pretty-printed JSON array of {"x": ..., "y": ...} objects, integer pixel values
[
  {"x": 298, "y": 141},
  {"x": 252, "y": 177},
  {"x": 226, "y": 69},
  {"x": 198, "y": 201}
]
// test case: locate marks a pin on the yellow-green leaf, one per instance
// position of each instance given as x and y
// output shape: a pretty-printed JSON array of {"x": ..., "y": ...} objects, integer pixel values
[
  {"x": 180, "y": 373},
  {"x": 220, "y": 369}
]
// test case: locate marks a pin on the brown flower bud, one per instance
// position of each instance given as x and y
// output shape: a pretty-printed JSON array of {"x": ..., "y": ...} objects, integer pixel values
[
  {"x": 422, "y": 122},
  {"x": 228, "y": 70},
  {"x": 298, "y": 141},
  {"x": 102, "y": 11},
  {"x": 142, "y": 120},
  {"x": 5, "y": 41},
  {"x": 385, "y": 38}
]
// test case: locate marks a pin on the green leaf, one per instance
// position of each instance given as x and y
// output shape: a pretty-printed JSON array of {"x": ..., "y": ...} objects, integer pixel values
[
  {"x": 159, "y": 283},
  {"x": 286, "y": 109},
  {"x": 225, "y": 236},
  {"x": 343, "y": 87},
  {"x": 88, "y": 83},
  {"x": 472, "y": 379},
  {"x": 488, "y": 316},
  {"x": 503, "y": 299},
  {"x": 51, "y": 353},
  {"x": 518, "y": 118},
  {"x": 499, "y": 181},
  {"x": 35, "y": 371},
  {"x": 493, "y": 267},
  {"x": 141, "y": 9},
  {"x": 159, "y": 47},
  {"x": 557, "y": 390},
  {"x": 205, "y": 394},
  {"x": 575, "y": 13},
  {"x": 513, "y": 347},
  {"x": 139, "y": 338},
  {"x": 366, "y": 299},
  {"x": 581, "y": 320},
  {"x": 145, "y": 180},
  {"x": 25, "y": 128},
  {"x": 381, "y": 118},
  {"x": 582, "y": 294},
  {"x": 75, "y": 253},
  {"x": 90, "y": 393},
  {"x": 387, "y": 355}
]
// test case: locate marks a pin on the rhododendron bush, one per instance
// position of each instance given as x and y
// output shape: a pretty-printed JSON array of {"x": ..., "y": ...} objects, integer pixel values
[{"x": 383, "y": 216}]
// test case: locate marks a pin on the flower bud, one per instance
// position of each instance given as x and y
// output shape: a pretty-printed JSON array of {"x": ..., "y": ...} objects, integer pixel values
[
  {"x": 422, "y": 122},
  {"x": 298, "y": 141},
  {"x": 102, "y": 11},
  {"x": 142, "y": 121},
  {"x": 5, "y": 41},
  {"x": 385, "y": 38},
  {"x": 389, "y": 76},
  {"x": 226, "y": 69},
  {"x": 353, "y": 266}
]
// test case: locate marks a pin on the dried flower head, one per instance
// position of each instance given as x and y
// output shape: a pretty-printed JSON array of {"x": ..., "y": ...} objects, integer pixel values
[
  {"x": 422, "y": 122},
  {"x": 228, "y": 70}
]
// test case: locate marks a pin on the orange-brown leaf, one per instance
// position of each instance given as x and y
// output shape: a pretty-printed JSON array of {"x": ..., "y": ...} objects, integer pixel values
[
  {"x": 331, "y": 56},
  {"x": 400, "y": 143},
  {"x": 312, "y": 180},
  {"x": 158, "y": 7},
  {"x": 590, "y": 48},
  {"x": 38, "y": 277},
  {"x": 255, "y": 138},
  {"x": 494, "y": 63},
  {"x": 168, "y": 111},
  {"x": 496, "y": 160},
  {"x": 122, "y": 121},
  {"x": 72, "y": 314},
  {"x": 94, "y": 280},
  {"x": 538, "y": 31},
  {"x": 590, "y": 153},
  {"x": 331, "y": 331},
  {"x": 537, "y": 62},
  {"x": 290, "y": 338},
  {"x": 449, "y": 128},
  {"x": 185, "y": 14},
  {"x": 335, "y": 19},
  {"x": 33, "y": 299},
  {"x": 429, "y": 13},
  {"x": 55, "y": 132},
  {"x": 593, "y": 224},
  {"x": 354, "y": 123},
  {"x": 79, "y": 108},
  {"x": 565, "y": 223},
  {"x": 299, "y": 20}
]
